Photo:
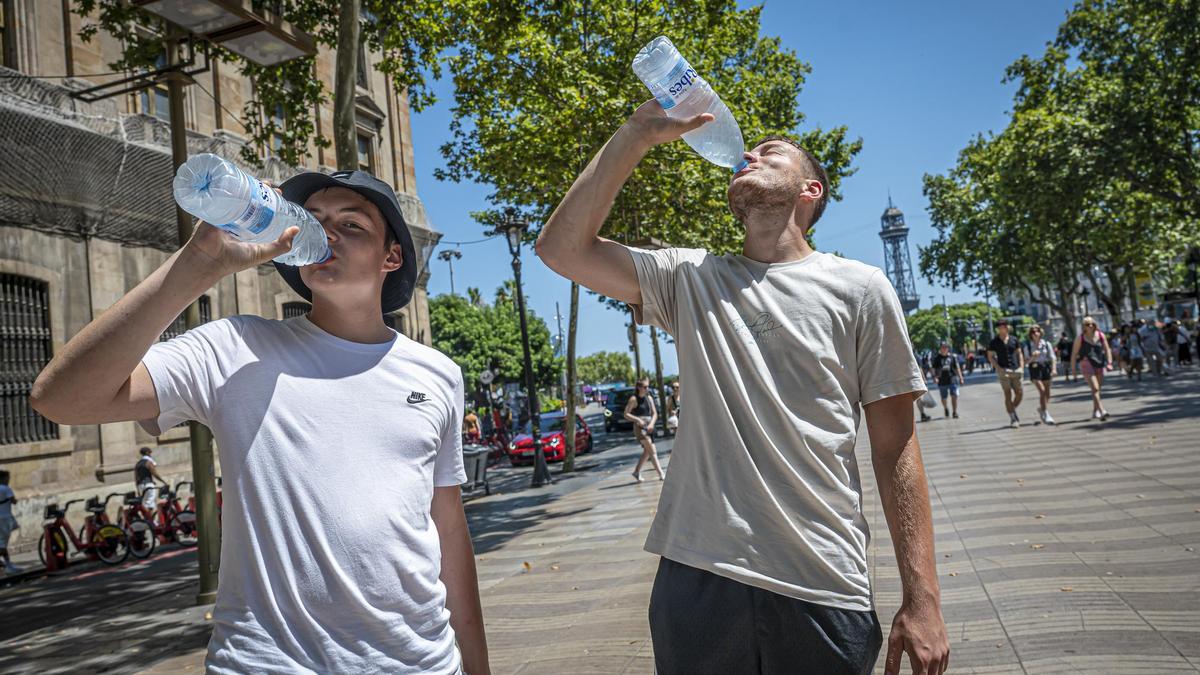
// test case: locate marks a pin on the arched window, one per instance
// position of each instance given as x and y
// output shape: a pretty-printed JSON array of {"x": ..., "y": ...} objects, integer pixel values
[
  {"x": 292, "y": 310},
  {"x": 179, "y": 325},
  {"x": 25, "y": 349}
]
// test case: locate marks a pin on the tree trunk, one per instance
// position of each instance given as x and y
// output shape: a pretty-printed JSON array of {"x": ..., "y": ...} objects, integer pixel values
[
  {"x": 637, "y": 351},
  {"x": 1110, "y": 305},
  {"x": 345, "y": 141},
  {"x": 569, "y": 426},
  {"x": 658, "y": 381},
  {"x": 1063, "y": 308}
]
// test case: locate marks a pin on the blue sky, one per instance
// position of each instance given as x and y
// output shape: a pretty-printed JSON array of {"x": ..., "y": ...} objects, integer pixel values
[{"x": 916, "y": 80}]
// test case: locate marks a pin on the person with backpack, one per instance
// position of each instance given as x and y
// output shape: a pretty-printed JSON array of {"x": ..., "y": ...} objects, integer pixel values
[
  {"x": 1039, "y": 355},
  {"x": 945, "y": 370},
  {"x": 145, "y": 472},
  {"x": 1092, "y": 356}
]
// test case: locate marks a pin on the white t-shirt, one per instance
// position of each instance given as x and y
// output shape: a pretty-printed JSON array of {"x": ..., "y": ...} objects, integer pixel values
[
  {"x": 764, "y": 486},
  {"x": 330, "y": 451}
]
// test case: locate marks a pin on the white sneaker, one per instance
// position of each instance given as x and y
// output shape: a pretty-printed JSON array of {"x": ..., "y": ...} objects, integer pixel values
[
  {"x": 1013, "y": 421},
  {"x": 1047, "y": 418}
]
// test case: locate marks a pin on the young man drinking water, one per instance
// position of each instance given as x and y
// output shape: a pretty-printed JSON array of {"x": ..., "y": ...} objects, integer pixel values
[
  {"x": 760, "y": 527},
  {"x": 349, "y": 560}
]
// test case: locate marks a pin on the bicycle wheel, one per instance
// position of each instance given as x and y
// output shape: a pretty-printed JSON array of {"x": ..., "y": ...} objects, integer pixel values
[
  {"x": 141, "y": 537},
  {"x": 111, "y": 544},
  {"x": 183, "y": 525},
  {"x": 58, "y": 544}
]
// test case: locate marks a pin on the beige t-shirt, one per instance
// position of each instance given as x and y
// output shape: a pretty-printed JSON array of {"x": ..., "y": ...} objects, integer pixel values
[{"x": 764, "y": 486}]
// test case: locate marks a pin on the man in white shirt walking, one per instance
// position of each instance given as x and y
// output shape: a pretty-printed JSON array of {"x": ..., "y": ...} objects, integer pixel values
[
  {"x": 762, "y": 539},
  {"x": 345, "y": 547}
]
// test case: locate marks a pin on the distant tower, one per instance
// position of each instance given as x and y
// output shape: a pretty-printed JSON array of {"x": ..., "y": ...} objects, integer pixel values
[{"x": 897, "y": 264}]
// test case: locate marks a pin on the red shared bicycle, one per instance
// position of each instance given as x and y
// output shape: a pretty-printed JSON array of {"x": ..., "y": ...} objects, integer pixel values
[{"x": 98, "y": 539}]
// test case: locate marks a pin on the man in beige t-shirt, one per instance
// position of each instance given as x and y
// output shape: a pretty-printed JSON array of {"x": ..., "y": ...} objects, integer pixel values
[{"x": 760, "y": 526}]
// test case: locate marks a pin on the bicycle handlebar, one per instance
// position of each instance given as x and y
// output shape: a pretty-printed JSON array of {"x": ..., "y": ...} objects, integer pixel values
[
  {"x": 110, "y": 496},
  {"x": 68, "y": 504},
  {"x": 182, "y": 483}
]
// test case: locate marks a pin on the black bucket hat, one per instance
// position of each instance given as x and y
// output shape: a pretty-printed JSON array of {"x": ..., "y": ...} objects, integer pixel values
[{"x": 398, "y": 285}]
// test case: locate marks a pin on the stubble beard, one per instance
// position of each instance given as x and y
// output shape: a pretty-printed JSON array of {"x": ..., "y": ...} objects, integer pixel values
[{"x": 750, "y": 197}]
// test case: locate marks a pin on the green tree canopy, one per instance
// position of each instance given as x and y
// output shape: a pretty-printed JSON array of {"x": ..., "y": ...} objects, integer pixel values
[
  {"x": 927, "y": 327},
  {"x": 541, "y": 86},
  {"x": 1095, "y": 176},
  {"x": 605, "y": 367}
]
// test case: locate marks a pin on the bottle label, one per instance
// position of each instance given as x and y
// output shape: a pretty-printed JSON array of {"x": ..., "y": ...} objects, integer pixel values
[
  {"x": 264, "y": 202},
  {"x": 677, "y": 85}
]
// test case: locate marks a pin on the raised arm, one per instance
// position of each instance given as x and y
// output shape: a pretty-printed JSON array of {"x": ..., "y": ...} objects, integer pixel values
[
  {"x": 98, "y": 377},
  {"x": 570, "y": 243}
]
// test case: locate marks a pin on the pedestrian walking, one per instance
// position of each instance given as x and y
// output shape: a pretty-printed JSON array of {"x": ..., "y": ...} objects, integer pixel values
[
  {"x": 1008, "y": 361},
  {"x": 674, "y": 405},
  {"x": 1131, "y": 352},
  {"x": 471, "y": 426},
  {"x": 1092, "y": 356},
  {"x": 345, "y": 546},
  {"x": 1183, "y": 342},
  {"x": 642, "y": 413},
  {"x": 945, "y": 371},
  {"x": 763, "y": 546},
  {"x": 1064, "y": 355},
  {"x": 1040, "y": 357},
  {"x": 1154, "y": 346},
  {"x": 8, "y": 522},
  {"x": 145, "y": 472}
]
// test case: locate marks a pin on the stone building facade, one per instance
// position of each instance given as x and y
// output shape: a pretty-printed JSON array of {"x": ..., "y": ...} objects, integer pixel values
[{"x": 86, "y": 213}]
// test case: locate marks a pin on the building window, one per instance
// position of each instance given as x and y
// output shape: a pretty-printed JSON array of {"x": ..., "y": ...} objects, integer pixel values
[
  {"x": 292, "y": 310},
  {"x": 155, "y": 100},
  {"x": 8, "y": 41},
  {"x": 179, "y": 325},
  {"x": 24, "y": 350},
  {"x": 363, "y": 80},
  {"x": 279, "y": 121},
  {"x": 366, "y": 153}
]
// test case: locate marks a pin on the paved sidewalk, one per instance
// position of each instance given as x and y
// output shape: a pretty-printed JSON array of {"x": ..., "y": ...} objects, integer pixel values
[
  {"x": 1061, "y": 549},
  {"x": 1067, "y": 549}
]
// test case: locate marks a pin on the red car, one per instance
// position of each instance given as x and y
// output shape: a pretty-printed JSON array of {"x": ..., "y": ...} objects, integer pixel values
[{"x": 520, "y": 450}]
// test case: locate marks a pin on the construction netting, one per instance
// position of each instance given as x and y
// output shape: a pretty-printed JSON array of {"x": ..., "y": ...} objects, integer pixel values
[{"x": 83, "y": 169}]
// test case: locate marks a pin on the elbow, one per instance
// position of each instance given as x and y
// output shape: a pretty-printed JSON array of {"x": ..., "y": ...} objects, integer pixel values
[{"x": 40, "y": 399}]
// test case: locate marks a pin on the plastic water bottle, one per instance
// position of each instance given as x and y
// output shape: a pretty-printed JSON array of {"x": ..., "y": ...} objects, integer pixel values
[
  {"x": 683, "y": 93},
  {"x": 219, "y": 193}
]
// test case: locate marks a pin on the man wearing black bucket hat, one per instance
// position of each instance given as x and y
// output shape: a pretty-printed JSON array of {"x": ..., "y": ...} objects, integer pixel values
[{"x": 345, "y": 547}]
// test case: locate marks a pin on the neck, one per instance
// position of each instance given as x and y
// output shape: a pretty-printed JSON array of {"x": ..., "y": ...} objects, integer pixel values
[
  {"x": 356, "y": 322},
  {"x": 774, "y": 236}
]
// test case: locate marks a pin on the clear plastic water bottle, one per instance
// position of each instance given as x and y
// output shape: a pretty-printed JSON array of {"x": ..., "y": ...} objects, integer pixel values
[
  {"x": 683, "y": 93},
  {"x": 219, "y": 193}
]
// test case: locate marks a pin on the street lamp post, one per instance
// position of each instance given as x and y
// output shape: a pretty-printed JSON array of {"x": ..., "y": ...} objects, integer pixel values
[
  {"x": 450, "y": 255},
  {"x": 514, "y": 228},
  {"x": 946, "y": 316}
]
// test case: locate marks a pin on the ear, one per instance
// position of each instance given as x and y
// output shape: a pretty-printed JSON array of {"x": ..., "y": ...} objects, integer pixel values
[
  {"x": 813, "y": 190},
  {"x": 394, "y": 259}
]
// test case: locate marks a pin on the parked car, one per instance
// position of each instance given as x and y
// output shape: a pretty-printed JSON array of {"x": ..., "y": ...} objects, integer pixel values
[
  {"x": 520, "y": 450},
  {"x": 614, "y": 409}
]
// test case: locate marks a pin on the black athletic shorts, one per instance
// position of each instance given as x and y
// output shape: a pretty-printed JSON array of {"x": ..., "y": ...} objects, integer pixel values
[{"x": 703, "y": 623}]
